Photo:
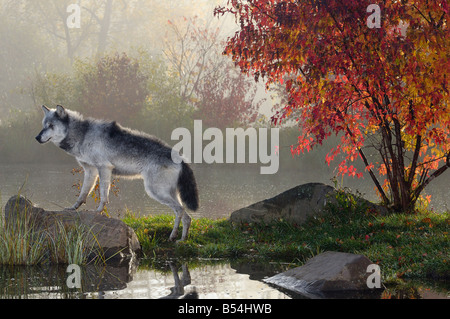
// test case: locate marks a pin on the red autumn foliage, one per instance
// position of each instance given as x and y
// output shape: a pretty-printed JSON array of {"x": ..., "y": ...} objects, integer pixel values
[{"x": 383, "y": 91}]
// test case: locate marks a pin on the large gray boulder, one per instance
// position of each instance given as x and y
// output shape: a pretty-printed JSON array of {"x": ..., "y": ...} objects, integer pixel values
[
  {"x": 294, "y": 205},
  {"x": 115, "y": 239},
  {"x": 326, "y": 273}
]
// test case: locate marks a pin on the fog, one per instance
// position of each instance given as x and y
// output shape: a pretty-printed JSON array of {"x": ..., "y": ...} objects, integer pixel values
[
  {"x": 144, "y": 63},
  {"x": 151, "y": 65},
  {"x": 39, "y": 37}
]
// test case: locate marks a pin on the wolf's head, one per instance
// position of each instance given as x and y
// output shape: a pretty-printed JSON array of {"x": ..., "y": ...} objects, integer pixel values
[{"x": 55, "y": 125}]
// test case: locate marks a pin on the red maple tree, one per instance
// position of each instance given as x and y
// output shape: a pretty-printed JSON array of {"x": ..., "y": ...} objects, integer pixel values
[{"x": 383, "y": 90}]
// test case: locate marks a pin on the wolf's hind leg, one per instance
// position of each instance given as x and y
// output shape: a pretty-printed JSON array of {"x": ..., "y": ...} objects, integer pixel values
[
  {"x": 179, "y": 216},
  {"x": 165, "y": 193},
  {"x": 90, "y": 176},
  {"x": 186, "y": 219}
]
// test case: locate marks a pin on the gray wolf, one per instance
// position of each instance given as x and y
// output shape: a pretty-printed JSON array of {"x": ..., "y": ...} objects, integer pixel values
[{"x": 105, "y": 149}]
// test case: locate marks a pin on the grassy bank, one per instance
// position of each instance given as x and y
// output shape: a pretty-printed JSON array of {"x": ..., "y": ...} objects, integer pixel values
[{"x": 404, "y": 245}]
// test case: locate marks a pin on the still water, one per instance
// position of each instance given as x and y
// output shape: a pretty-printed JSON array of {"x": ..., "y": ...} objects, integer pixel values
[
  {"x": 222, "y": 189},
  {"x": 169, "y": 280},
  {"x": 221, "y": 192}
]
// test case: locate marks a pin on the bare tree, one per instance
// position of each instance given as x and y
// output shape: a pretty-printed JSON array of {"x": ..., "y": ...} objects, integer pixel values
[
  {"x": 51, "y": 17},
  {"x": 208, "y": 80},
  {"x": 193, "y": 51},
  {"x": 104, "y": 23}
]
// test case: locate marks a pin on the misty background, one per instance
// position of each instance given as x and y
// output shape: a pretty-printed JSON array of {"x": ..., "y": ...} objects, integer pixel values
[{"x": 150, "y": 65}]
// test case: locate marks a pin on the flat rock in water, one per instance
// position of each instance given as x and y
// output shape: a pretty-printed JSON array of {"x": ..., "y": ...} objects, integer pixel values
[
  {"x": 116, "y": 239},
  {"x": 329, "y": 272}
]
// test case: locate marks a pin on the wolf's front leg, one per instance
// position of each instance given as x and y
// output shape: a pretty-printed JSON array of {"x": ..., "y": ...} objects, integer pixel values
[
  {"x": 90, "y": 176},
  {"x": 105, "y": 181}
]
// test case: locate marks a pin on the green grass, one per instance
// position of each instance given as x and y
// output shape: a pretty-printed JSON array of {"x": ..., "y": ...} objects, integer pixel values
[
  {"x": 22, "y": 244},
  {"x": 404, "y": 245},
  {"x": 208, "y": 238}
]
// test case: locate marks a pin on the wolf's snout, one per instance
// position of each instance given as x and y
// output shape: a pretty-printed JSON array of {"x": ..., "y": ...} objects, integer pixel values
[{"x": 39, "y": 138}]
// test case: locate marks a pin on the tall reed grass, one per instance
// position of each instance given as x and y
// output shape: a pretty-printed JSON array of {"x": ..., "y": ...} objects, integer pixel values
[
  {"x": 74, "y": 245},
  {"x": 19, "y": 245},
  {"x": 23, "y": 244}
]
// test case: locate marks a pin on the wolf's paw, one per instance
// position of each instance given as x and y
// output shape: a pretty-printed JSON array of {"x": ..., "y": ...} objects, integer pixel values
[
  {"x": 70, "y": 208},
  {"x": 102, "y": 213}
]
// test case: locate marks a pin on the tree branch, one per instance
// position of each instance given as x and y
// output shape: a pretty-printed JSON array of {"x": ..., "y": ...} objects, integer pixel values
[
  {"x": 366, "y": 162},
  {"x": 412, "y": 171},
  {"x": 436, "y": 173},
  {"x": 420, "y": 12}
]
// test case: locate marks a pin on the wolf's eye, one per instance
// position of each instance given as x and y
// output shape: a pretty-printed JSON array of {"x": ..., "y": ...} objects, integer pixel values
[{"x": 50, "y": 126}]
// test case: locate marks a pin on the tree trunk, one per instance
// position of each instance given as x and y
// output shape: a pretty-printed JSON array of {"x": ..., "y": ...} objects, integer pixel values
[{"x": 104, "y": 29}]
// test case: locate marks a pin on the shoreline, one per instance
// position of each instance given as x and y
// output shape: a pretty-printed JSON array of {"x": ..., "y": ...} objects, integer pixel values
[{"x": 412, "y": 246}]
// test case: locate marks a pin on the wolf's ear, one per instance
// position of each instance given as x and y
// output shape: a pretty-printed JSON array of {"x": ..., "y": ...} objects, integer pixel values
[
  {"x": 45, "y": 109},
  {"x": 60, "y": 111}
]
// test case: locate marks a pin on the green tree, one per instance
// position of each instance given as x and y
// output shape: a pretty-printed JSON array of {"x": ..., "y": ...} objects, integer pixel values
[{"x": 114, "y": 88}]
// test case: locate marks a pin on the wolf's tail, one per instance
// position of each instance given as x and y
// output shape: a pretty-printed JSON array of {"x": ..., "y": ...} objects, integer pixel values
[{"x": 187, "y": 187}]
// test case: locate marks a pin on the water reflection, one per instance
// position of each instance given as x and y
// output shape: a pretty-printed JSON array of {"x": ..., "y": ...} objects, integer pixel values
[
  {"x": 203, "y": 280},
  {"x": 43, "y": 281},
  {"x": 178, "y": 291},
  {"x": 172, "y": 279}
]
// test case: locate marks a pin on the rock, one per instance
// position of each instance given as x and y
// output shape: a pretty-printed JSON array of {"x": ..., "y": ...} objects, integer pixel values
[
  {"x": 294, "y": 205},
  {"x": 329, "y": 272},
  {"x": 116, "y": 239}
]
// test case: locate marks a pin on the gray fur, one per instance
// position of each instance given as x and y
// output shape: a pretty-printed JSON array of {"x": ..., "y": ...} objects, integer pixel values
[{"x": 105, "y": 148}]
